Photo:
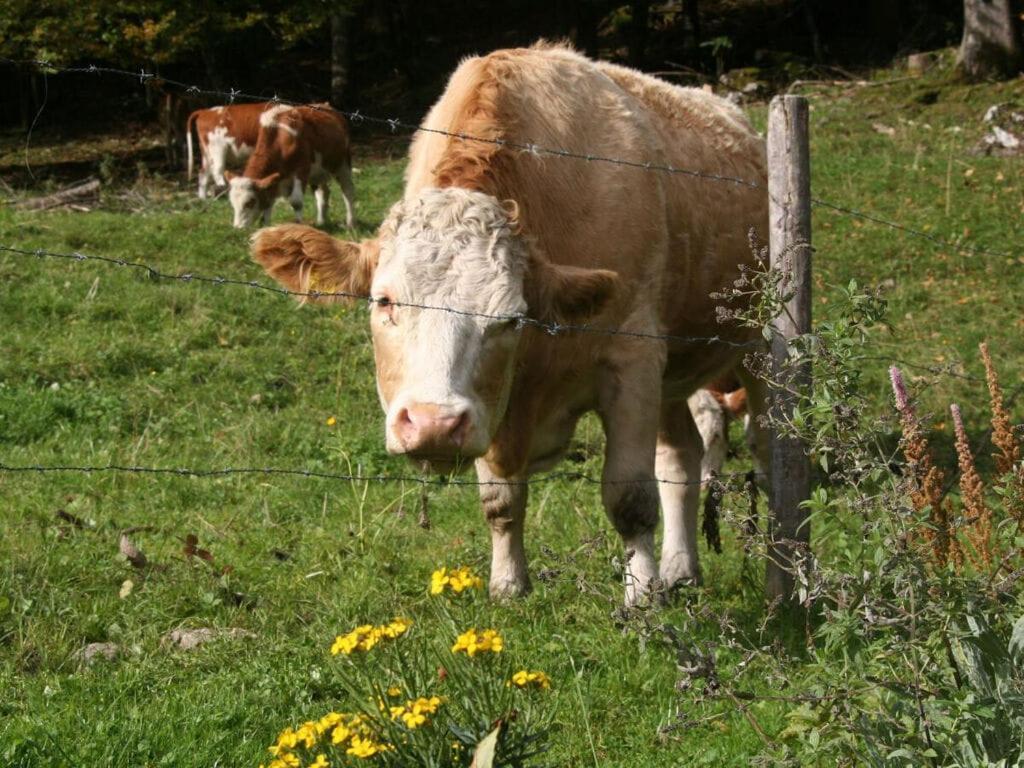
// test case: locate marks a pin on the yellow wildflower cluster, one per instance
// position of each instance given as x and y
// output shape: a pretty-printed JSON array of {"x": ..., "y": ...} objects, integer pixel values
[
  {"x": 524, "y": 679},
  {"x": 337, "y": 728},
  {"x": 457, "y": 580},
  {"x": 414, "y": 712},
  {"x": 365, "y": 637},
  {"x": 473, "y": 642}
]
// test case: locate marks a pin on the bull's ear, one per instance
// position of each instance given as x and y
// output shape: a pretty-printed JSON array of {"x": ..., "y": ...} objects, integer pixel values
[
  {"x": 557, "y": 293},
  {"x": 267, "y": 181},
  {"x": 305, "y": 260}
]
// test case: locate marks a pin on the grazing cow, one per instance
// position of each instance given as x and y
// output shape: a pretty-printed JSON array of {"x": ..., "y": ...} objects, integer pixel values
[
  {"x": 226, "y": 138},
  {"x": 297, "y": 146},
  {"x": 499, "y": 232}
]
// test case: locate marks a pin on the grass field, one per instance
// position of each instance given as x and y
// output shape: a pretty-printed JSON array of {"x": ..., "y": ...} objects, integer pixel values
[{"x": 104, "y": 365}]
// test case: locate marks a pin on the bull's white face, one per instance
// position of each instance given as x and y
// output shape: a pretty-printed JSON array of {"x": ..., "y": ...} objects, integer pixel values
[
  {"x": 444, "y": 376},
  {"x": 244, "y": 202}
]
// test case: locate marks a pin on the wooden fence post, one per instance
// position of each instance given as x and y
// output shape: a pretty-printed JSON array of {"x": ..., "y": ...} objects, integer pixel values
[{"x": 789, "y": 212}]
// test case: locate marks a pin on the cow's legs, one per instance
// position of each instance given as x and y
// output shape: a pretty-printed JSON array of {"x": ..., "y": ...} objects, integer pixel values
[
  {"x": 348, "y": 194},
  {"x": 504, "y": 505},
  {"x": 678, "y": 466},
  {"x": 296, "y": 199},
  {"x": 204, "y": 179},
  {"x": 266, "y": 217},
  {"x": 322, "y": 193},
  {"x": 628, "y": 487}
]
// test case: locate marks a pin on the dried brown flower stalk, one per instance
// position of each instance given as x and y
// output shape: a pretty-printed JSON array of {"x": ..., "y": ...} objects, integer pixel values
[
  {"x": 1002, "y": 432},
  {"x": 926, "y": 479},
  {"x": 979, "y": 531}
]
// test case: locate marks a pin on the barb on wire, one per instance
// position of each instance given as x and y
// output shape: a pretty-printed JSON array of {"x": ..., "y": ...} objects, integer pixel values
[
  {"x": 393, "y": 124},
  {"x": 550, "y": 477},
  {"x": 522, "y": 321}
]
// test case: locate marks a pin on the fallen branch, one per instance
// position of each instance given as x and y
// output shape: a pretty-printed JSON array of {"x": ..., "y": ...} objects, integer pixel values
[{"x": 75, "y": 195}]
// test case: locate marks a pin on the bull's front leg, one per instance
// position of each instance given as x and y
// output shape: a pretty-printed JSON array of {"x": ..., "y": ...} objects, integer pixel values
[
  {"x": 504, "y": 505},
  {"x": 678, "y": 466},
  {"x": 629, "y": 489}
]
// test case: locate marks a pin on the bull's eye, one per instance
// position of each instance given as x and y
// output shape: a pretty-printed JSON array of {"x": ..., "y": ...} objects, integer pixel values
[{"x": 386, "y": 306}]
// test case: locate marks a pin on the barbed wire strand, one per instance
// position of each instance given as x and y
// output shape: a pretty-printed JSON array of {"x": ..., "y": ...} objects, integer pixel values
[
  {"x": 522, "y": 321},
  {"x": 321, "y": 475},
  {"x": 394, "y": 124}
]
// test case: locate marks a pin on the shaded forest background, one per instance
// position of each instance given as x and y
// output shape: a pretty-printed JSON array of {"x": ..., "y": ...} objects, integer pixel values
[{"x": 392, "y": 56}]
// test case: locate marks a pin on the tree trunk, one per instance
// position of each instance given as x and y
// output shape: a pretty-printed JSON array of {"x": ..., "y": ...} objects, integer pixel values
[
  {"x": 693, "y": 14},
  {"x": 991, "y": 45},
  {"x": 638, "y": 33},
  {"x": 341, "y": 53}
]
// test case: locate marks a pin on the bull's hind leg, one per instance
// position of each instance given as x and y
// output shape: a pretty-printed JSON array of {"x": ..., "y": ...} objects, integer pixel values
[
  {"x": 348, "y": 194},
  {"x": 678, "y": 467},
  {"x": 504, "y": 505},
  {"x": 628, "y": 487},
  {"x": 295, "y": 198},
  {"x": 322, "y": 193}
]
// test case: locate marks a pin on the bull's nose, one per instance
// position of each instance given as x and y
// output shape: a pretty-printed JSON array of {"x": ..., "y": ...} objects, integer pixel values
[{"x": 430, "y": 427}]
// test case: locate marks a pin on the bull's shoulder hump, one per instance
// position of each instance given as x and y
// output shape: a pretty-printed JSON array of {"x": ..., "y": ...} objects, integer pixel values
[{"x": 681, "y": 105}]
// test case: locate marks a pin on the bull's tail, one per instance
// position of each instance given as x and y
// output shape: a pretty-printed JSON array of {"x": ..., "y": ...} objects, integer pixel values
[{"x": 189, "y": 125}]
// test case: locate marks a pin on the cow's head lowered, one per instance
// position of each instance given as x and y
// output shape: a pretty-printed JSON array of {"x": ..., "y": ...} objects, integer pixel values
[{"x": 447, "y": 279}]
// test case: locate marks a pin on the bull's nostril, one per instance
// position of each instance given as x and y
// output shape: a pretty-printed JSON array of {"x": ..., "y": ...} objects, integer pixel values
[
  {"x": 402, "y": 418},
  {"x": 460, "y": 428}
]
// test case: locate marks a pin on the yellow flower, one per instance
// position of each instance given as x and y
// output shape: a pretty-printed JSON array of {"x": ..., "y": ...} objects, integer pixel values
[
  {"x": 365, "y": 637},
  {"x": 473, "y": 643},
  {"x": 328, "y": 721},
  {"x": 458, "y": 580},
  {"x": 394, "y": 690},
  {"x": 524, "y": 679},
  {"x": 397, "y": 627},
  {"x": 306, "y": 735},
  {"x": 288, "y": 739},
  {"x": 341, "y": 734},
  {"x": 321, "y": 762},
  {"x": 287, "y": 760},
  {"x": 331, "y": 421},
  {"x": 364, "y": 747}
]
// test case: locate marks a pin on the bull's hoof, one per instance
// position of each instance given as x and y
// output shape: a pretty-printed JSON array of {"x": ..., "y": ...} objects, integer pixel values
[
  {"x": 680, "y": 572},
  {"x": 509, "y": 588}
]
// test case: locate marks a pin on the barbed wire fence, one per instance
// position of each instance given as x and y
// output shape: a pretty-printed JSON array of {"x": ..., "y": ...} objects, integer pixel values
[{"x": 394, "y": 125}]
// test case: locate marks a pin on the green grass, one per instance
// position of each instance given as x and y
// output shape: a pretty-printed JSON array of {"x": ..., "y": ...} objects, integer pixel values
[{"x": 104, "y": 365}]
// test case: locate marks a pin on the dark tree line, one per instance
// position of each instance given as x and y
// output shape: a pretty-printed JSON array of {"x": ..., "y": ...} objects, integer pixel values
[{"x": 395, "y": 54}]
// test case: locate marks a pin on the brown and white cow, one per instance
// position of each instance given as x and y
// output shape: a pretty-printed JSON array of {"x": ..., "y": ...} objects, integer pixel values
[
  {"x": 498, "y": 232},
  {"x": 296, "y": 147},
  {"x": 227, "y": 136}
]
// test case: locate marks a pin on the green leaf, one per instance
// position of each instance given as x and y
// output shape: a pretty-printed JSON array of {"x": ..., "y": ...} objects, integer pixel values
[{"x": 1017, "y": 641}]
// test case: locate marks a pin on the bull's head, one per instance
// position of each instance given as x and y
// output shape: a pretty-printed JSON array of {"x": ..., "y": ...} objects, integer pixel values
[
  {"x": 251, "y": 198},
  {"x": 448, "y": 278}
]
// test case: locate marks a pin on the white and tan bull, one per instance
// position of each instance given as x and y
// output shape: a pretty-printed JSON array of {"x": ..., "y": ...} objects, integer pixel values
[
  {"x": 226, "y": 136},
  {"x": 296, "y": 147},
  {"x": 496, "y": 233}
]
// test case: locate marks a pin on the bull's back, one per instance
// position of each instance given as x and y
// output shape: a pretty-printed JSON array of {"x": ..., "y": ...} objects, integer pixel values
[{"x": 326, "y": 132}]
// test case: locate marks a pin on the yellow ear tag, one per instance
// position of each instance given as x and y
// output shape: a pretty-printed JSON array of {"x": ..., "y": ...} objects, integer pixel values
[{"x": 315, "y": 286}]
